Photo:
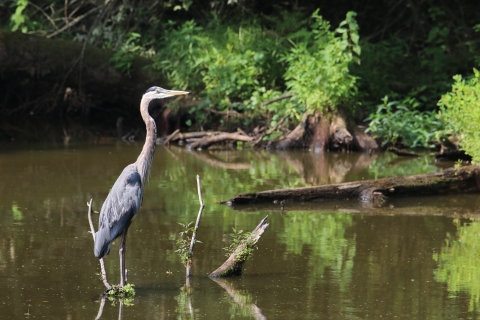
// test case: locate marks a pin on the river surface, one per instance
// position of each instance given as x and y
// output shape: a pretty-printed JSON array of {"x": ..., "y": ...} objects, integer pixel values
[{"x": 414, "y": 258}]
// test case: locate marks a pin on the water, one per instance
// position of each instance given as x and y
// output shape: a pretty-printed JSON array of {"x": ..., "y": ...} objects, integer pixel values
[{"x": 412, "y": 259}]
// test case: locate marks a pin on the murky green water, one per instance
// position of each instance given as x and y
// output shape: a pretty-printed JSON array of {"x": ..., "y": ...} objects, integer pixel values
[{"x": 414, "y": 259}]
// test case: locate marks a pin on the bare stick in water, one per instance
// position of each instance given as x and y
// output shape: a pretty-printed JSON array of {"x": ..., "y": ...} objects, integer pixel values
[
  {"x": 197, "y": 223},
  {"x": 92, "y": 229}
]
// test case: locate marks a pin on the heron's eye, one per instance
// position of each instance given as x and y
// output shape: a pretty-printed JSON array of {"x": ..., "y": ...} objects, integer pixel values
[{"x": 157, "y": 91}]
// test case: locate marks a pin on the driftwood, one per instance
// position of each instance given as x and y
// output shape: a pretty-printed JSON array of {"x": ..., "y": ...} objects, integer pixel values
[
  {"x": 292, "y": 140},
  {"x": 207, "y": 141},
  {"x": 463, "y": 206},
  {"x": 449, "y": 181},
  {"x": 401, "y": 153},
  {"x": 178, "y": 136},
  {"x": 233, "y": 266}
]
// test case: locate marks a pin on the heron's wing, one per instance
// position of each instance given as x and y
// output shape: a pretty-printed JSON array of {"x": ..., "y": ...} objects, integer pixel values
[{"x": 122, "y": 203}]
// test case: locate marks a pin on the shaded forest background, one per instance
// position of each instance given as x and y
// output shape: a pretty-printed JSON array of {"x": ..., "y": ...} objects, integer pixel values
[{"x": 383, "y": 63}]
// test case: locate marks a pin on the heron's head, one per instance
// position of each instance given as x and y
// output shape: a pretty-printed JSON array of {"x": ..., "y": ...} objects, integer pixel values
[{"x": 160, "y": 93}]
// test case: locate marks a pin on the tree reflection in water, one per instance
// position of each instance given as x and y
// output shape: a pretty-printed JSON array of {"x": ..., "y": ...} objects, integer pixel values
[
  {"x": 458, "y": 262},
  {"x": 324, "y": 235}
]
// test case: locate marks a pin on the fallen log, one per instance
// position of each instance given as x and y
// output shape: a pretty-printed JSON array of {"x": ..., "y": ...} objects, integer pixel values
[
  {"x": 462, "y": 206},
  {"x": 207, "y": 141},
  {"x": 448, "y": 181},
  {"x": 401, "y": 153},
  {"x": 233, "y": 266}
]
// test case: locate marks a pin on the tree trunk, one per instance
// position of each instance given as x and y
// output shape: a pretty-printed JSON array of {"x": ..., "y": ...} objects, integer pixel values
[{"x": 320, "y": 132}]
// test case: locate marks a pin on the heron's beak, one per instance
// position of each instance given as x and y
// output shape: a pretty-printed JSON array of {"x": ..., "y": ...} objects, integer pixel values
[{"x": 171, "y": 93}]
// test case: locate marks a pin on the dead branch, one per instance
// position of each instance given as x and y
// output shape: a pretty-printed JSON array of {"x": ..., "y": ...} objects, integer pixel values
[
  {"x": 228, "y": 113},
  {"x": 92, "y": 229},
  {"x": 242, "y": 132},
  {"x": 449, "y": 181},
  {"x": 293, "y": 139},
  {"x": 234, "y": 264},
  {"x": 402, "y": 153},
  {"x": 197, "y": 224},
  {"x": 73, "y": 22},
  {"x": 170, "y": 137},
  {"x": 207, "y": 141},
  {"x": 285, "y": 96},
  {"x": 177, "y": 135},
  {"x": 270, "y": 131}
]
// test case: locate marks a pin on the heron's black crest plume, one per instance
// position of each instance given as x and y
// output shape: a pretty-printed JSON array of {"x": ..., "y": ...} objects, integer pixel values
[{"x": 152, "y": 89}]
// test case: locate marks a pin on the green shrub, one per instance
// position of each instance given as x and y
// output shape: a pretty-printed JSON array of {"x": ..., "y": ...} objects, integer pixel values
[
  {"x": 181, "y": 55},
  {"x": 245, "y": 66},
  {"x": 318, "y": 65},
  {"x": 397, "y": 121},
  {"x": 461, "y": 108}
]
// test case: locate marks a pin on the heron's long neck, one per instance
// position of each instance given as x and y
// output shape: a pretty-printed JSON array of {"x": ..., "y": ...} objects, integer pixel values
[{"x": 144, "y": 160}]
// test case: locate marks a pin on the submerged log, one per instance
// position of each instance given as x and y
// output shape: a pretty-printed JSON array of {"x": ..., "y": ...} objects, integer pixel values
[
  {"x": 233, "y": 266},
  {"x": 449, "y": 181},
  {"x": 401, "y": 153}
]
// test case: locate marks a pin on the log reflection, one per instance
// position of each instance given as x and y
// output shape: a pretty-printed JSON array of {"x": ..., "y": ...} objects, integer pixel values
[{"x": 243, "y": 301}]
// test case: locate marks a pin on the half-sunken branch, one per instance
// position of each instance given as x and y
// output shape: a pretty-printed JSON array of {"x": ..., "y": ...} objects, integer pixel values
[{"x": 234, "y": 264}]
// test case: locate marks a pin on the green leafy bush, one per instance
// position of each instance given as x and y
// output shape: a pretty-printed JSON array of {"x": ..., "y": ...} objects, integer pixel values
[
  {"x": 243, "y": 67},
  {"x": 19, "y": 19},
  {"x": 461, "y": 109},
  {"x": 318, "y": 64},
  {"x": 123, "y": 58},
  {"x": 181, "y": 55},
  {"x": 397, "y": 121}
]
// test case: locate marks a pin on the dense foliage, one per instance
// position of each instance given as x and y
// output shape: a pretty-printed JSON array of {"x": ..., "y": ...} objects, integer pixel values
[
  {"x": 396, "y": 122},
  {"x": 242, "y": 67},
  {"x": 236, "y": 56},
  {"x": 461, "y": 108}
]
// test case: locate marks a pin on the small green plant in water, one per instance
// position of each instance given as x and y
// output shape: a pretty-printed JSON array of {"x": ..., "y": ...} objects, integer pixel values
[
  {"x": 183, "y": 244},
  {"x": 239, "y": 238},
  {"x": 125, "y": 294}
]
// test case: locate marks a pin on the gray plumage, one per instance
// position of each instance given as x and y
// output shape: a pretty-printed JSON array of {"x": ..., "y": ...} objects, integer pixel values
[{"x": 121, "y": 205}]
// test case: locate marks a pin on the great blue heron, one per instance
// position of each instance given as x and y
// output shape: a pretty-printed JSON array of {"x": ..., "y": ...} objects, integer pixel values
[{"x": 125, "y": 198}]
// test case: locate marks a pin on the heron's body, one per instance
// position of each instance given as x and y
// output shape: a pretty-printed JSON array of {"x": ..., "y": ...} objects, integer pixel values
[
  {"x": 121, "y": 205},
  {"x": 125, "y": 198}
]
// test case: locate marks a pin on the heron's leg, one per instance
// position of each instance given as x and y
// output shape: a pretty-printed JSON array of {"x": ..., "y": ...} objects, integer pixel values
[{"x": 121, "y": 252}]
